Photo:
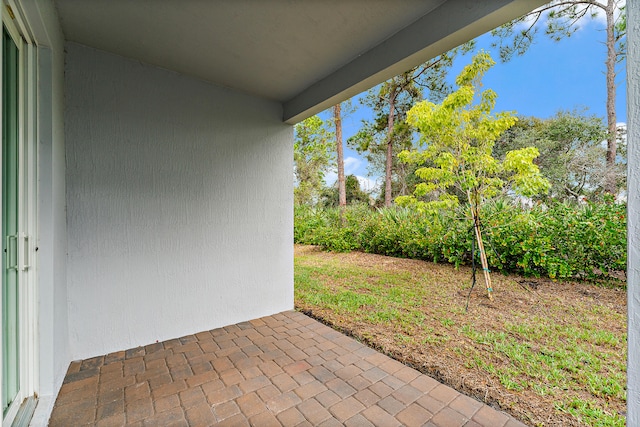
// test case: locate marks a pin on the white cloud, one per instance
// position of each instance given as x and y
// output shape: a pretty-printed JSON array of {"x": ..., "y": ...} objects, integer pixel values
[
  {"x": 351, "y": 165},
  {"x": 600, "y": 17},
  {"x": 330, "y": 178}
]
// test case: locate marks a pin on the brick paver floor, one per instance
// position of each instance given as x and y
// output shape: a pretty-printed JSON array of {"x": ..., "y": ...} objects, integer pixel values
[{"x": 281, "y": 370}]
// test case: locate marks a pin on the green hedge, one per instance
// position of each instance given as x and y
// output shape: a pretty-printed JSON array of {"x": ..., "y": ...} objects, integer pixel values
[{"x": 559, "y": 241}]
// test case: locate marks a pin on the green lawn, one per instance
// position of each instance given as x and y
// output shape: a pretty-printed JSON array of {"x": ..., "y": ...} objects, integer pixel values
[{"x": 549, "y": 353}]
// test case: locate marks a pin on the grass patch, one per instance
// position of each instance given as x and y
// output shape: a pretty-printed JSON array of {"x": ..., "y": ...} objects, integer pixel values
[{"x": 552, "y": 354}]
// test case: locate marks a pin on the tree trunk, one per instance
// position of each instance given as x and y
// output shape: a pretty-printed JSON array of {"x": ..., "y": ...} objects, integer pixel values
[
  {"x": 610, "y": 177},
  {"x": 342, "y": 193},
  {"x": 389, "y": 160},
  {"x": 402, "y": 177}
]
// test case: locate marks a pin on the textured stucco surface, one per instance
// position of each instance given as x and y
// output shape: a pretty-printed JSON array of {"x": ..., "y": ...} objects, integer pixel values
[
  {"x": 179, "y": 200},
  {"x": 633, "y": 231}
]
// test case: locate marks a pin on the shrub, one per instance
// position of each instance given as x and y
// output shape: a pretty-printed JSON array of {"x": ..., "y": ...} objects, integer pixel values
[{"x": 558, "y": 241}]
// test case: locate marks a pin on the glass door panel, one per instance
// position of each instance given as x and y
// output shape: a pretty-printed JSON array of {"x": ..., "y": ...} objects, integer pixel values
[{"x": 10, "y": 290}]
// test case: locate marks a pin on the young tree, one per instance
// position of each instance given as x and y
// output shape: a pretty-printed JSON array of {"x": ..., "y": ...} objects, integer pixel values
[
  {"x": 459, "y": 135},
  {"x": 561, "y": 19},
  {"x": 312, "y": 154}
]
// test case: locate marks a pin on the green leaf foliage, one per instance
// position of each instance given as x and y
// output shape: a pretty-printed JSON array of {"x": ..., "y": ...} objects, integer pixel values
[
  {"x": 389, "y": 102},
  {"x": 561, "y": 240},
  {"x": 571, "y": 153},
  {"x": 313, "y": 150},
  {"x": 559, "y": 19},
  {"x": 459, "y": 135},
  {"x": 353, "y": 192}
]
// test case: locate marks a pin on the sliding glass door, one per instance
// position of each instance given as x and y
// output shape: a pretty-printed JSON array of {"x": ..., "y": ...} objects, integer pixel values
[
  {"x": 10, "y": 171},
  {"x": 18, "y": 183}
]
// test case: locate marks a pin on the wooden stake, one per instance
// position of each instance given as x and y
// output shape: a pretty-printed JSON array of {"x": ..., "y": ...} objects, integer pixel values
[{"x": 483, "y": 255}]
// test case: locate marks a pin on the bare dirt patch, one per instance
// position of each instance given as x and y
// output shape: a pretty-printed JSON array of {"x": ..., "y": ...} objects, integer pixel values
[{"x": 442, "y": 343}]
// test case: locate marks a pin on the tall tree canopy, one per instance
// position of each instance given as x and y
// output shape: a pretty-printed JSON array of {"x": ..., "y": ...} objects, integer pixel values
[
  {"x": 353, "y": 193},
  {"x": 313, "y": 150},
  {"x": 388, "y": 133},
  {"x": 571, "y": 152},
  {"x": 560, "y": 19}
]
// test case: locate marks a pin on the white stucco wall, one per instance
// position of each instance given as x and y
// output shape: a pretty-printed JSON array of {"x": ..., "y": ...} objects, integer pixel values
[
  {"x": 633, "y": 206},
  {"x": 179, "y": 198}
]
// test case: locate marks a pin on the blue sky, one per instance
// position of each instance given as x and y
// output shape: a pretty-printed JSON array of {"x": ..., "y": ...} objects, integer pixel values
[{"x": 550, "y": 77}]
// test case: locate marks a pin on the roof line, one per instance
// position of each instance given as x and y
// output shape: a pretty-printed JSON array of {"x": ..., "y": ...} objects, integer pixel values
[{"x": 449, "y": 25}]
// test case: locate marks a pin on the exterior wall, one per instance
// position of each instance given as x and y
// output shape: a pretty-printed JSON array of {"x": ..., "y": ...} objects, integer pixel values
[
  {"x": 179, "y": 198},
  {"x": 633, "y": 207}
]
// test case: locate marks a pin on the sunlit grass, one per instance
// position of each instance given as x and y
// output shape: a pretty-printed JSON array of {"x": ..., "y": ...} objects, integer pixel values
[
  {"x": 564, "y": 356},
  {"x": 590, "y": 413}
]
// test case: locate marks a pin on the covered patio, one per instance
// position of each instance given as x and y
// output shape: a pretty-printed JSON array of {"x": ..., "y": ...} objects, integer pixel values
[
  {"x": 285, "y": 369},
  {"x": 151, "y": 197}
]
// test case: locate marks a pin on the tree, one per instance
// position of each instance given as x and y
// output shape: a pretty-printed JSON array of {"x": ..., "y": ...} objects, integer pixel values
[
  {"x": 459, "y": 135},
  {"x": 371, "y": 143},
  {"x": 571, "y": 152},
  {"x": 388, "y": 133},
  {"x": 562, "y": 18},
  {"x": 337, "y": 121},
  {"x": 312, "y": 155},
  {"x": 353, "y": 193},
  {"x": 339, "y": 111}
]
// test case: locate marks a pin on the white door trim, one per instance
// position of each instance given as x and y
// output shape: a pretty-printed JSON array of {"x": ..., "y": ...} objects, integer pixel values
[{"x": 27, "y": 199}]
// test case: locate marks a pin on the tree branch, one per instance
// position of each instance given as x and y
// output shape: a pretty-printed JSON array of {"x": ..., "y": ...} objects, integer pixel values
[{"x": 566, "y": 3}]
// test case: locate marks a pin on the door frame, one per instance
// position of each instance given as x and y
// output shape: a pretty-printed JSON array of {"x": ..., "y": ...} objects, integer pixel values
[{"x": 11, "y": 17}]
